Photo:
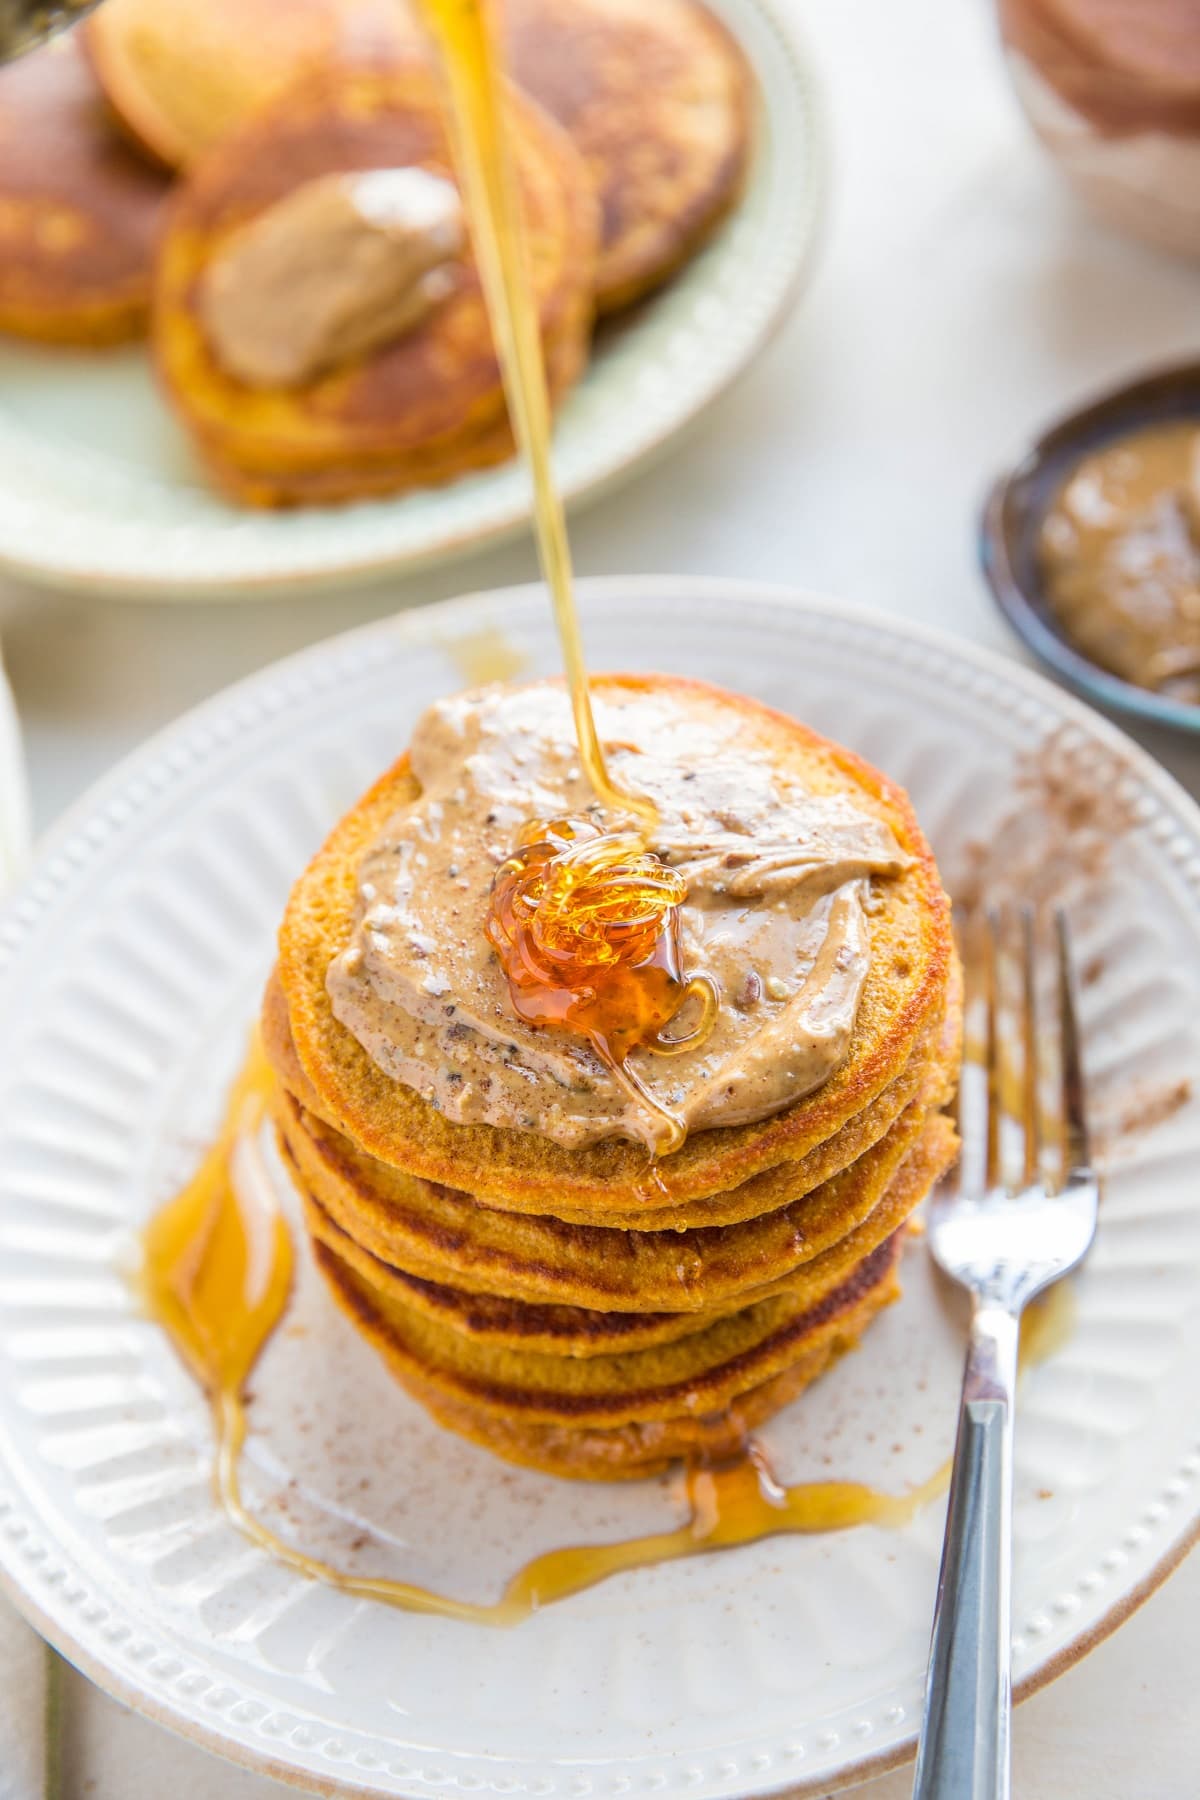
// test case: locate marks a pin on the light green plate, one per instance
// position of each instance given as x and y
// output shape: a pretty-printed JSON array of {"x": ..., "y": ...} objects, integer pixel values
[{"x": 101, "y": 492}]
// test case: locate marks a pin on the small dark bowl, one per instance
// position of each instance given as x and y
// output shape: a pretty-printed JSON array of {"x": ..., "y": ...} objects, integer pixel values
[{"x": 1012, "y": 519}]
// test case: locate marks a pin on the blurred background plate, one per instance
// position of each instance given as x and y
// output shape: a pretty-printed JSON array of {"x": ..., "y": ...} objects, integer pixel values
[{"x": 101, "y": 491}]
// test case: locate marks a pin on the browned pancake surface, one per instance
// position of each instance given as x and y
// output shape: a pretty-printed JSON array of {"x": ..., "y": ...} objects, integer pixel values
[
  {"x": 657, "y": 98},
  {"x": 79, "y": 211},
  {"x": 183, "y": 74},
  {"x": 581, "y": 1330},
  {"x": 447, "y": 1236},
  {"x": 584, "y": 1448}
]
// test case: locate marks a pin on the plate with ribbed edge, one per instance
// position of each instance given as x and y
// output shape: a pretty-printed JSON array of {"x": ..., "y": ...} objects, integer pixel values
[
  {"x": 130, "y": 965},
  {"x": 103, "y": 493}
]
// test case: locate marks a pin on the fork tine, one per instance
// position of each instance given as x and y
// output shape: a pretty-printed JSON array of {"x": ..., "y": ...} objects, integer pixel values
[
  {"x": 1010, "y": 1062},
  {"x": 1076, "y": 1145},
  {"x": 973, "y": 1108},
  {"x": 1030, "y": 1098},
  {"x": 994, "y": 1049}
]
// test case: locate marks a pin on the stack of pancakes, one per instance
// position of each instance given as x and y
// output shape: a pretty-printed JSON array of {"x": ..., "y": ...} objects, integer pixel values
[
  {"x": 577, "y": 1309},
  {"x": 630, "y": 130}
]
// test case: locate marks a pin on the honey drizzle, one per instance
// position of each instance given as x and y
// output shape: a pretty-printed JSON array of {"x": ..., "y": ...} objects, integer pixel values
[
  {"x": 462, "y": 31},
  {"x": 735, "y": 1503},
  {"x": 586, "y": 925},
  {"x": 216, "y": 1275},
  {"x": 463, "y": 34}
]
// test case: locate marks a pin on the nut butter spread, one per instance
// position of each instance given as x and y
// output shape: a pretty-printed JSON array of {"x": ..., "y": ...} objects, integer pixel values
[
  {"x": 344, "y": 264},
  {"x": 778, "y": 883},
  {"x": 1120, "y": 558}
]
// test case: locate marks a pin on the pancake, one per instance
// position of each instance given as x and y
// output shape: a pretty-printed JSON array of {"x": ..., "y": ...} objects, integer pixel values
[
  {"x": 423, "y": 407},
  {"x": 928, "y": 1076},
  {"x": 181, "y": 76},
  {"x": 911, "y": 959},
  {"x": 645, "y": 1445},
  {"x": 566, "y": 356},
  {"x": 447, "y": 1236},
  {"x": 79, "y": 212},
  {"x": 657, "y": 99},
  {"x": 569, "y": 1330}
]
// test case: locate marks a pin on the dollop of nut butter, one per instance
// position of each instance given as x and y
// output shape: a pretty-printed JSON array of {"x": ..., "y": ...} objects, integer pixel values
[
  {"x": 775, "y": 913},
  {"x": 342, "y": 265},
  {"x": 1120, "y": 558}
]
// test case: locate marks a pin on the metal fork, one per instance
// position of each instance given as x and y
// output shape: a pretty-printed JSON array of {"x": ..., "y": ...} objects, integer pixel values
[{"x": 1019, "y": 1213}]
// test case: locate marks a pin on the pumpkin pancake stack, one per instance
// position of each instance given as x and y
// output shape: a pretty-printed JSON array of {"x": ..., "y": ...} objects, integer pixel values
[{"x": 581, "y": 1307}]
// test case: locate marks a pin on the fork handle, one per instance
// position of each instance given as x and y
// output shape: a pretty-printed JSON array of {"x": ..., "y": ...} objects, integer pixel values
[{"x": 964, "y": 1748}]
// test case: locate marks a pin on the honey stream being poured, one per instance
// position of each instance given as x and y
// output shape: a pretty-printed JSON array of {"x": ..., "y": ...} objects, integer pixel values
[{"x": 585, "y": 920}]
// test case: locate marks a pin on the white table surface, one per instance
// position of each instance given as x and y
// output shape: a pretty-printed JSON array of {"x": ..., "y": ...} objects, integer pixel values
[{"x": 961, "y": 300}]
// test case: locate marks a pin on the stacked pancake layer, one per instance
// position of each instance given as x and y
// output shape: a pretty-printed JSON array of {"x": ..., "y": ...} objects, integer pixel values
[{"x": 565, "y": 1306}]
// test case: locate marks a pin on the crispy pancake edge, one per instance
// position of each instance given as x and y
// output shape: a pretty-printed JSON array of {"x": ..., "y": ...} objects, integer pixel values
[
  {"x": 544, "y": 1261},
  {"x": 929, "y": 1076},
  {"x": 572, "y": 1329}
]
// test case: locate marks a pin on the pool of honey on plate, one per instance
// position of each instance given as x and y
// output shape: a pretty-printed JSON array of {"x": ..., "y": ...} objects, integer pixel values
[{"x": 216, "y": 1274}]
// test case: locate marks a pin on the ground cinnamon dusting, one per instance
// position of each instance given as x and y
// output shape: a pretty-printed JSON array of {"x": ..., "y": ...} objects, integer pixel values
[
  {"x": 1057, "y": 843},
  {"x": 1151, "y": 1108},
  {"x": 1053, "y": 844}
]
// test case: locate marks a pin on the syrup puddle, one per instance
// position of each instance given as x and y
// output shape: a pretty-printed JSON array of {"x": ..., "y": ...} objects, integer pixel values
[
  {"x": 217, "y": 1268},
  {"x": 485, "y": 655}
]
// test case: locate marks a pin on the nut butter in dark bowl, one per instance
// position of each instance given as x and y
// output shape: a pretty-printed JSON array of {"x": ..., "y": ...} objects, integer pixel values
[
  {"x": 1091, "y": 546},
  {"x": 1112, "y": 89}
]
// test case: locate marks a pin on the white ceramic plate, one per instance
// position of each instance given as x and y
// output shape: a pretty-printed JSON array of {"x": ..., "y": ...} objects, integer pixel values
[
  {"x": 14, "y": 793},
  {"x": 132, "y": 961},
  {"x": 101, "y": 490}
]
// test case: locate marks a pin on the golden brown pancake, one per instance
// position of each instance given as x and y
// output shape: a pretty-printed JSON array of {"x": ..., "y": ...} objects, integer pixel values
[
  {"x": 927, "y": 1077},
  {"x": 700, "y": 1373},
  {"x": 182, "y": 74},
  {"x": 565, "y": 358},
  {"x": 584, "y": 1446},
  {"x": 79, "y": 212},
  {"x": 447, "y": 1236},
  {"x": 657, "y": 97},
  {"x": 629, "y": 1452},
  {"x": 911, "y": 959},
  {"x": 422, "y": 408},
  {"x": 573, "y": 1330}
]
